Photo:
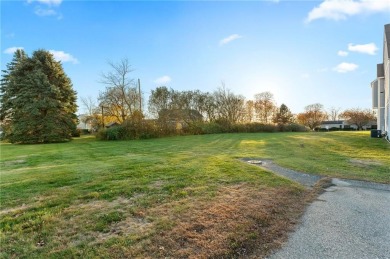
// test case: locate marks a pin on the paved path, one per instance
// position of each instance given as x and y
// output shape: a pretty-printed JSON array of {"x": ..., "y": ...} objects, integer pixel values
[
  {"x": 347, "y": 221},
  {"x": 350, "y": 220}
]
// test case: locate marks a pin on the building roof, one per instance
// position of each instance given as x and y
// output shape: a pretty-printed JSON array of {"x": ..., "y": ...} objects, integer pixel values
[
  {"x": 332, "y": 122},
  {"x": 112, "y": 124}
]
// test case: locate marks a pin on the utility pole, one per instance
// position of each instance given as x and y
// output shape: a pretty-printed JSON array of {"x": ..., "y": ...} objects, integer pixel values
[
  {"x": 140, "y": 95},
  {"x": 102, "y": 117}
]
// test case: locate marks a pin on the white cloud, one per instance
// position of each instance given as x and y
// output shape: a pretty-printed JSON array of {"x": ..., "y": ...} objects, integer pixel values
[
  {"x": 44, "y": 12},
  {"x": 46, "y": 7},
  {"x": 229, "y": 39},
  {"x": 11, "y": 50},
  {"x": 163, "y": 80},
  {"x": 342, "y": 53},
  {"x": 345, "y": 67},
  {"x": 369, "y": 48},
  {"x": 341, "y": 9},
  {"x": 47, "y": 2},
  {"x": 59, "y": 55}
]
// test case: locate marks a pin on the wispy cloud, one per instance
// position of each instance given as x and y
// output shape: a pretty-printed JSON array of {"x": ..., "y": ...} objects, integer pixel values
[
  {"x": 369, "y": 48},
  {"x": 47, "y": 2},
  {"x": 60, "y": 55},
  {"x": 44, "y": 11},
  {"x": 341, "y": 9},
  {"x": 342, "y": 53},
  {"x": 345, "y": 67},
  {"x": 46, "y": 7},
  {"x": 163, "y": 80},
  {"x": 11, "y": 50},
  {"x": 229, "y": 39}
]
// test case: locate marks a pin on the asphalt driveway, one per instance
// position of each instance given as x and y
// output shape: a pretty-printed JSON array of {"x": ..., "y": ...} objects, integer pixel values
[
  {"x": 351, "y": 219},
  {"x": 347, "y": 221}
]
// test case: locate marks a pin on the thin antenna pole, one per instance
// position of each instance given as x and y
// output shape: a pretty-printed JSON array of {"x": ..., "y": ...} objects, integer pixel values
[{"x": 140, "y": 95}]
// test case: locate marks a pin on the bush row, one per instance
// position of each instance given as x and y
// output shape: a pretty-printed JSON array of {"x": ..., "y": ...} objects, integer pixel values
[{"x": 151, "y": 129}]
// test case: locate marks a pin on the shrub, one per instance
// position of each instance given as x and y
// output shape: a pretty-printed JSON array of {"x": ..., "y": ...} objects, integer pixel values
[
  {"x": 76, "y": 133},
  {"x": 260, "y": 127},
  {"x": 194, "y": 128},
  {"x": 101, "y": 134},
  {"x": 117, "y": 133},
  {"x": 293, "y": 127},
  {"x": 147, "y": 129},
  {"x": 85, "y": 132},
  {"x": 211, "y": 128}
]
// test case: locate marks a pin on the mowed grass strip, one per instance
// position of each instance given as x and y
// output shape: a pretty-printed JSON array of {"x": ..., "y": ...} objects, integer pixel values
[{"x": 172, "y": 197}]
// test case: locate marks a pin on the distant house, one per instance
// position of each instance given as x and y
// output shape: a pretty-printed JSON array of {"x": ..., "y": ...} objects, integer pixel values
[
  {"x": 179, "y": 117},
  {"x": 84, "y": 123},
  {"x": 343, "y": 124},
  {"x": 340, "y": 124},
  {"x": 381, "y": 87}
]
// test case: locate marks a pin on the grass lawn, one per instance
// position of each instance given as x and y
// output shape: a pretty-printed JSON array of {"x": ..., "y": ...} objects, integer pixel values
[{"x": 170, "y": 197}]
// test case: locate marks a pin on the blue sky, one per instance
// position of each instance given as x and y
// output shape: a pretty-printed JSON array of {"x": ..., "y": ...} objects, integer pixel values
[{"x": 304, "y": 52}]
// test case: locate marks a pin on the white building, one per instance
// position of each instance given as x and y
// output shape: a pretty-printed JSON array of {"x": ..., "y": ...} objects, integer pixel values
[
  {"x": 343, "y": 125},
  {"x": 83, "y": 124},
  {"x": 381, "y": 87}
]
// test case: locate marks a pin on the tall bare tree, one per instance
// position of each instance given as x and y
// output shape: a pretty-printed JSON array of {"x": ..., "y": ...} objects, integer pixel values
[
  {"x": 230, "y": 107},
  {"x": 265, "y": 107},
  {"x": 159, "y": 99},
  {"x": 121, "y": 97},
  {"x": 91, "y": 116},
  {"x": 358, "y": 117},
  {"x": 249, "y": 111},
  {"x": 89, "y": 105},
  {"x": 333, "y": 114},
  {"x": 313, "y": 116},
  {"x": 209, "y": 107}
]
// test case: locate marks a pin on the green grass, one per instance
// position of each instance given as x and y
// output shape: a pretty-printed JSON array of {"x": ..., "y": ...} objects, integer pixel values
[{"x": 62, "y": 200}]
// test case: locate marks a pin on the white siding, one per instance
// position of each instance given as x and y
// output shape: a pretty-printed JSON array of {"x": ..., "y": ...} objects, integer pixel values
[{"x": 374, "y": 89}]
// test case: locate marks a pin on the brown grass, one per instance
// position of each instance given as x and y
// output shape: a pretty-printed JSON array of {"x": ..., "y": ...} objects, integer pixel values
[
  {"x": 365, "y": 163},
  {"x": 241, "y": 221}
]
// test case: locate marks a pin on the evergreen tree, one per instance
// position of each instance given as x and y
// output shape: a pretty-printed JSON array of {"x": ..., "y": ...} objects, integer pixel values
[
  {"x": 283, "y": 116},
  {"x": 38, "y": 103}
]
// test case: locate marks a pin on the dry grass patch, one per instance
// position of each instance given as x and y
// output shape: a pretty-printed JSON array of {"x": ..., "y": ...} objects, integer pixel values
[
  {"x": 15, "y": 211},
  {"x": 241, "y": 220},
  {"x": 94, "y": 223},
  {"x": 365, "y": 163}
]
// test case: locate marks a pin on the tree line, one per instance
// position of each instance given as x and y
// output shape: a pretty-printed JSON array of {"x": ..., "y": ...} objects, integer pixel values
[
  {"x": 38, "y": 105},
  {"x": 196, "y": 112}
]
